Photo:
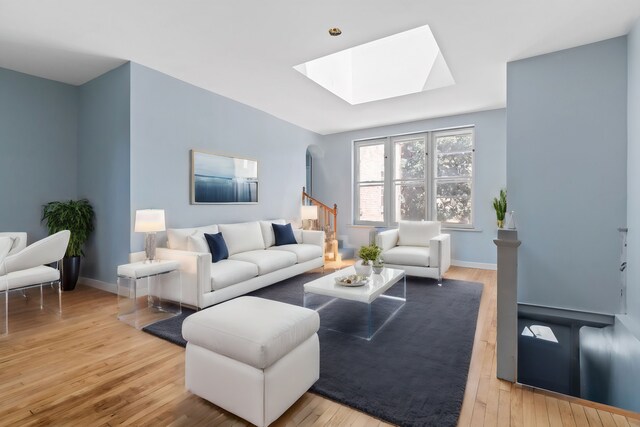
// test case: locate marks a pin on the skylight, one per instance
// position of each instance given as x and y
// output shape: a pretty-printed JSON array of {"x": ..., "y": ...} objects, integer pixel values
[{"x": 401, "y": 64}]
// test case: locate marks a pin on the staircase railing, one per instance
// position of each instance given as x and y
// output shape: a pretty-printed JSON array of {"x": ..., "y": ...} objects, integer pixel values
[{"x": 327, "y": 221}]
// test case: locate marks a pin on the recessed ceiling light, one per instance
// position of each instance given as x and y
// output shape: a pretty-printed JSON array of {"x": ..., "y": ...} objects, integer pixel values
[
  {"x": 335, "y": 31},
  {"x": 401, "y": 64}
]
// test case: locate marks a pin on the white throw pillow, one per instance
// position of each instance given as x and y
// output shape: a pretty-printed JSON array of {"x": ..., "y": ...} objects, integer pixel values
[
  {"x": 197, "y": 242},
  {"x": 6, "y": 243},
  {"x": 178, "y": 238},
  {"x": 242, "y": 237},
  {"x": 267, "y": 231},
  {"x": 417, "y": 233}
]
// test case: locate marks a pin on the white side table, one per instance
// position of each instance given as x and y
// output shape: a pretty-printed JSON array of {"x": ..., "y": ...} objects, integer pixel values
[{"x": 149, "y": 292}]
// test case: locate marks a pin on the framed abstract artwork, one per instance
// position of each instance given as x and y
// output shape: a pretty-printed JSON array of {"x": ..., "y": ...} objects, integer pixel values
[{"x": 219, "y": 179}]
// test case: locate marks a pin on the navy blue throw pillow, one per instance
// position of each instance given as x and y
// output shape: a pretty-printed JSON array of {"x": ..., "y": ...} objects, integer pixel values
[
  {"x": 217, "y": 246},
  {"x": 284, "y": 234}
]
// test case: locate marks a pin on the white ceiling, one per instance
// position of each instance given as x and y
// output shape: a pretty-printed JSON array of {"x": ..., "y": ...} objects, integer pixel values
[{"x": 245, "y": 49}]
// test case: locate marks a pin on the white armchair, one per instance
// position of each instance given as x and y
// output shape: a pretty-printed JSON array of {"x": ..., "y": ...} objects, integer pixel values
[
  {"x": 418, "y": 248},
  {"x": 25, "y": 268}
]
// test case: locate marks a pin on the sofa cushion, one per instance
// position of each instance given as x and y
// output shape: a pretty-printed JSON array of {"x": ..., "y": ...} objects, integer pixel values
[
  {"x": 6, "y": 243},
  {"x": 267, "y": 261},
  {"x": 217, "y": 246},
  {"x": 297, "y": 233},
  {"x": 242, "y": 237},
  {"x": 407, "y": 255},
  {"x": 178, "y": 238},
  {"x": 31, "y": 276},
  {"x": 304, "y": 252},
  {"x": 254, "y": 331},
  {"x": 228, "y": 272},
  {"x": 267, "y": 231},
  {"x": 417, "y": 233},
  {"x": 19, "y": 240},
  {"x": 284, "y": 234}
]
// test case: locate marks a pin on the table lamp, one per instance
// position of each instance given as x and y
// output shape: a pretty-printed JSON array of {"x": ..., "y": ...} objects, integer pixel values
[
  {"x": 309, "y": 213},
  {"x": 149, "y": 221}
]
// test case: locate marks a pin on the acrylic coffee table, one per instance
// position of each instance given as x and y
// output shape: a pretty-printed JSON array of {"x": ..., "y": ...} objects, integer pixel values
[{"x": 360, "y": 311}]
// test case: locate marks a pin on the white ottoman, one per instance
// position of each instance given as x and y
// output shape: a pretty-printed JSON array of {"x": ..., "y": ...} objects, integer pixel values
[{"x": 251, "y": 356}]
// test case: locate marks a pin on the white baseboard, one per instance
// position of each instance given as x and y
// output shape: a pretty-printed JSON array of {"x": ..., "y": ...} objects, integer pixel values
[
  {"x": 479, "y": 265},
  {"x": 99, "y": 284}
]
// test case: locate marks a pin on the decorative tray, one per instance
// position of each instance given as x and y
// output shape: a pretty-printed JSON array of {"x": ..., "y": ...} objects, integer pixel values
[{"x": 352, "y": 280}]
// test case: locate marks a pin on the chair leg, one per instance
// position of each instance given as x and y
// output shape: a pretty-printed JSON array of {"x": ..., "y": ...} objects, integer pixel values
[
  {"x": 57, "y": 288},
  {"x": 5, "y": 328}
]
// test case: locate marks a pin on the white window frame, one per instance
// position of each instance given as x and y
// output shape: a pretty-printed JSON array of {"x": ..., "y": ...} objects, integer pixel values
[
  {"x": 430, "y": 180},
  {"x": 434, "y": 179},
  {"x": 394, "y": 180},
  {"x": 357, "y": 184}
]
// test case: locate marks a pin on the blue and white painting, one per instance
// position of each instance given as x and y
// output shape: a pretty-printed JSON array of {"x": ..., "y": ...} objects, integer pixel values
[{"x": 222, "y": 179}]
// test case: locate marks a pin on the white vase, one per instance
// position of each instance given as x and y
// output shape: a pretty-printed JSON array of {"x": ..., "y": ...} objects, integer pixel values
[
  {"x": 511, "y": 220},
  {"x": 362, "y": 269}
]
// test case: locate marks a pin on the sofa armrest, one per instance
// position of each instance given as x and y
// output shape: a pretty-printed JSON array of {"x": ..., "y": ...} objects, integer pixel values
[
  {"x": 387, "y": 239},
  {"x": 313, "y": 237},
  {"x": 195, "y": 269},
  {"x": 440, "y": 252}
]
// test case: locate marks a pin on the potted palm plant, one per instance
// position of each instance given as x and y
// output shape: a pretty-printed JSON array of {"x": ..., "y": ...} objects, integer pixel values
[{"x": 77, "y": 217}]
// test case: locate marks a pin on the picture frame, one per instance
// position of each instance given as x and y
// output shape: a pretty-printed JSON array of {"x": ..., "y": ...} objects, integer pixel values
[{"x": 223, "y": 179}]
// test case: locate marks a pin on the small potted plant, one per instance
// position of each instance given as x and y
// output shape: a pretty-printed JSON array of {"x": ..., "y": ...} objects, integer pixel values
[
  {"x": 77, "y": 217},
  {"x": 500, "y": 206},
  {"x": 367, "y": 255}
]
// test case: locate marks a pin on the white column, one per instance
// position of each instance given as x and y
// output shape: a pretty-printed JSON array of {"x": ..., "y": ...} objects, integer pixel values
[{"x": 507, "y": 334}]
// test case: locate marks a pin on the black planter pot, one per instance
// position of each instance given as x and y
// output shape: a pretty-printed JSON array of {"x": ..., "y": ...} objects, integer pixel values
[{"x": 70, "y": 272}]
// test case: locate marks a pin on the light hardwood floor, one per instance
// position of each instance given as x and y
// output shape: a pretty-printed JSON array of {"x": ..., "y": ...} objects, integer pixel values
[{"x": 86, "y": 368}]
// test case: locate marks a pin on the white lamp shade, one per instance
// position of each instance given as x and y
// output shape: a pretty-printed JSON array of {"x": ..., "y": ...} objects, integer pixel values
[
  {"x": 149, "y": 220},
  {"x": 309, "y": 212}
]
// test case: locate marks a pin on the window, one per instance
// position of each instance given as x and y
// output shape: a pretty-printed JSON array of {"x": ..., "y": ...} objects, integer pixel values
[
  {"x": 370, "y": 181},
  {"x": 409, "y": 183},
  {"x": 453, "y": 177},
  {"x": 430, "y": 177}
]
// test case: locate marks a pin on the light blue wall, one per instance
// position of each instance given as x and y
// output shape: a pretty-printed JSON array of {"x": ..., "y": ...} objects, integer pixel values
[
  {"x": 633, "y": 173},
  {"x": 38, "y": 149},
  {"x": 170, "y": 117},
  {"x": 103, "y": 170},
  {"x": 625, "y": 349},
  {"x": 566, "y": 173},
  {"x": 333, "y": 178}
]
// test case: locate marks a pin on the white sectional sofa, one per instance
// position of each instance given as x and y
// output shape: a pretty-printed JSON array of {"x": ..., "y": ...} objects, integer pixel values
[
  {"x": 254, "y": 261},
  {"x": 418, "y": 248}
]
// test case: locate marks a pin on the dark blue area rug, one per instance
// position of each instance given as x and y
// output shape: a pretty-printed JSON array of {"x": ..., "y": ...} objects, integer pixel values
[{"x": 412, "y": 373}]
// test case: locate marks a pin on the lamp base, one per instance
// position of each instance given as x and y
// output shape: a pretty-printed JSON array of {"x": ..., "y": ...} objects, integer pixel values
[
  {"x": 310, "y": 224},
  {"x": 150, "y": 247}
]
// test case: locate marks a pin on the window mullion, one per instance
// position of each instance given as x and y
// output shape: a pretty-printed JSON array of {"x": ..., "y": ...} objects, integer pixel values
[{"x": 388, "y": 185}]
